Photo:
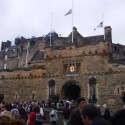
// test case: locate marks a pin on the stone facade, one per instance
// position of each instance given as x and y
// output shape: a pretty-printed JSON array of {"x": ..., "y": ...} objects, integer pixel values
[{"x": 89, "y": 67}]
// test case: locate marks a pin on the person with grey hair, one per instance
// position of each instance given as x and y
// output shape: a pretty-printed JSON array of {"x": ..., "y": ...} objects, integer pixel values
[{"x": 106, "y": 113}]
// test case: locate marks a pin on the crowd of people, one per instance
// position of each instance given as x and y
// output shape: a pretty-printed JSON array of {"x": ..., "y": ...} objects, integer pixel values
[{"x": 33, "y": 113}]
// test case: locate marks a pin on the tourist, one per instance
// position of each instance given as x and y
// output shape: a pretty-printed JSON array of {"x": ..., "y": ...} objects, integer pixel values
[
  {"x": 106, "y": 113},
  {"x": 32, "y": 116},
  {"x": 123, "y": 106},
  {"x": 91, "y": 116},
  {"x": 66, "y": 113},
  {"x": 53, "y": 116},
  {"x": 75, "y": 117},
  {"x": 14, "y": 111},
  {"x": 23, "y": 113},
  {"x": 99, "y": 109},
  {"x": 6, "y": 120},
  {"x": 118, "y": 118},
  {"x": 6, "y": 110}
]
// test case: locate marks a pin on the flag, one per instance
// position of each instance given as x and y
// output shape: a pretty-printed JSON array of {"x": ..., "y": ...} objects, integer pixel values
[
  {"x": 69, "y": 12},
  {"x": 99, "y": 26},
  {"x": 48, "y": 35}
]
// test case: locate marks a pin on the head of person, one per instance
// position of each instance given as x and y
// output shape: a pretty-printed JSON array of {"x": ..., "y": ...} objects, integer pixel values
[
  {"x": 6, "y": 120},
  {"x": 123, "y": 106},
  {"x": 89, "y": 112},
  {"x": 105, "y": 106},
  {"x": 67, "y": 104},
  {"x": 81, "y": 102},
  {"x": 36, "y": 108},
  {"x": 118, "y": 118},
  {"x": 7, "y": 107}
]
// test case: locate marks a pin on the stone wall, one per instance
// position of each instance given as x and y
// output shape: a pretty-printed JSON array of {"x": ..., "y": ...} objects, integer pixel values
[{"x": 32, "y": 83}]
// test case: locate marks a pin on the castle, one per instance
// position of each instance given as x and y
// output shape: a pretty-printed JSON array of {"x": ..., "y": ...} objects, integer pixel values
[{"x": 47, "y": 67}]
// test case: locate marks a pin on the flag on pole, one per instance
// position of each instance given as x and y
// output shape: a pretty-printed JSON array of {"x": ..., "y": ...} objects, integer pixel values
[
  {"x": 99, "y": 26},
  {"x": 69, "y": 12}
]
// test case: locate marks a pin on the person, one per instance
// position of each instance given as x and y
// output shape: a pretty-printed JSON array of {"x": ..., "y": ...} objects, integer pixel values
[
  {"x": 75, "y": 117},
  {"x": 123, "y": 106},
  {"x": 66, "y": 113},
  {"x": 118, "y": 118},
  {"x": 91, "y": 116},
  {"x": 6, "y": 120},
  {"x": 32, "y": 116},
  {"x": 53, "y": 116},
  {"x": 22, "y": 112},
  {"x": 6, "y": 110},
  {"x": 14, "y": 111},
  {"x": 99, "y": 109},
  {"x": 106, "y": 113},
  {"x": 39, "y": 118}
]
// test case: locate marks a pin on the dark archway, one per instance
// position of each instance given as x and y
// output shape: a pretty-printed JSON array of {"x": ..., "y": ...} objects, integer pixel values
[{"x": 71, "y": 91}]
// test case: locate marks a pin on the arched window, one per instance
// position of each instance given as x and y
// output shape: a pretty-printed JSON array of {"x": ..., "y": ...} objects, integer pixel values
[
  {"x": 1, "y": 97},
  {"x": 92, "y": 90},
  {"x": 33, "y": 95},
  {"x": 5, "y": 66},
  {"x": 51, "y": 88}
]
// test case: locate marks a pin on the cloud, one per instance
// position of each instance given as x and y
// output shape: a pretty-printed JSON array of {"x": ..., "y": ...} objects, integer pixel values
[{"x": 33, "y": 17}]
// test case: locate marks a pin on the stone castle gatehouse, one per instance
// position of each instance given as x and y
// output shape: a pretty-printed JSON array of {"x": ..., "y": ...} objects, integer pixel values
[{"x": 42, "y": 68}]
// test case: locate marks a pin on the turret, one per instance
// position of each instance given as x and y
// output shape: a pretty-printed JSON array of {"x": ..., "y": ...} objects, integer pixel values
[
  {"x": 108, "y": 33},
  {"x": 5, "y": 45}
]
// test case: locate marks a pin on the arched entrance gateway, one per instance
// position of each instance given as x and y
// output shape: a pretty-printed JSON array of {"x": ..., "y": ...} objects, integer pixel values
[{"x": 71, "y": 90}]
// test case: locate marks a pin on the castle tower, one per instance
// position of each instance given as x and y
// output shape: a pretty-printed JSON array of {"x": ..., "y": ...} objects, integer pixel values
[
  {"x": 5, "y": 45},
  {"x": 108, "y": 33}
]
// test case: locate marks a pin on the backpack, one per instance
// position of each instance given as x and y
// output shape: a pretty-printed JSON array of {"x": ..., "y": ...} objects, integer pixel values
[{"x": 39, "y": 117}]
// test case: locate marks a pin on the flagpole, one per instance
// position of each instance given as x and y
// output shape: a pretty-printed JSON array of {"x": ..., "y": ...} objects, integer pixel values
[
  {"x": 72, "y": 22},
  {"x": 103, "y": 20},
  {"x": 51, "y": 30},
  {"x": 103, "y": 24}
]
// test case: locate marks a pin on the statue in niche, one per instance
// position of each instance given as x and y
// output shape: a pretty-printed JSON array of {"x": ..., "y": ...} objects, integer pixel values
[
  {"x": 92, "y": 85},
  {"x": 92, "y": 89},
  {"x": 52, "y": 90}
]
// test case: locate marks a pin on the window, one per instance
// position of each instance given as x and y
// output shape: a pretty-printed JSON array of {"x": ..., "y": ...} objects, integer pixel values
[
  {"x": 118, "y": 91},
  {"x": 6, "y": 50},
  {"x": 6, "y": 57},
  {"x": 78, "y": 65},
  {"x": 33, "y": 96},
  {"x": 16, "y": 97},
  {"x": 5, "y": 66},
  {"x": 65, "y": 68}
]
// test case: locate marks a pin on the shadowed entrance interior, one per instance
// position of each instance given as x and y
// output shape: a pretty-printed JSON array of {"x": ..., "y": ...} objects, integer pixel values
[{"x": 71, "y": 91}]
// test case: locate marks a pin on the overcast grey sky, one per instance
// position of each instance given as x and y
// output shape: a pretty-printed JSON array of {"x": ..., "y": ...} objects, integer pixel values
[{"x": 29, "y": 18}]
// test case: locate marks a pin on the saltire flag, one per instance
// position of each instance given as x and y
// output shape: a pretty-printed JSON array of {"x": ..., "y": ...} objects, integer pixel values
[
  {"x": 99, "y": 26},
  {"x": 48, "y": 35},
  {"x": 69, "y": 12}
]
